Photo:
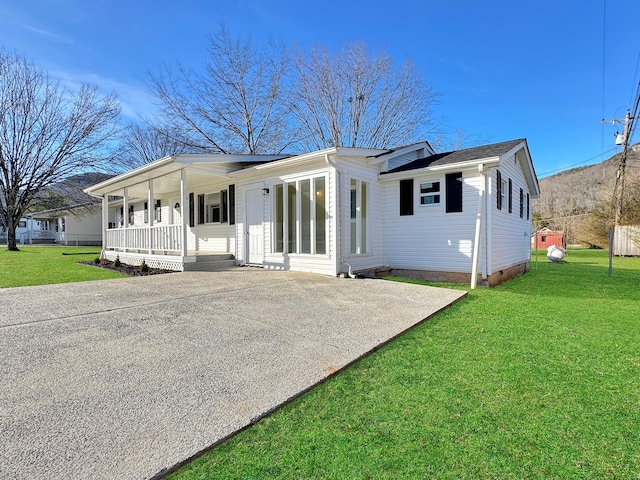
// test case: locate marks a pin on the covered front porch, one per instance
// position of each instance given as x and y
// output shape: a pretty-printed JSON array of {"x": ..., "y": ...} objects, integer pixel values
[{"x": 174, "y": 213}]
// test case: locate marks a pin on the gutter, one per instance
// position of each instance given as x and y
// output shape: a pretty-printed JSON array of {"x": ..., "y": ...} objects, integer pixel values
[
  {"x": 338, "y": 209},
  {"x": 476, "y": 238}
]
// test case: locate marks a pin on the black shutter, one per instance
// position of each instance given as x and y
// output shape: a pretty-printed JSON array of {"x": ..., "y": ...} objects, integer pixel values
[
  {"x": 521, "y": 204},
  {"x": 453, "y": 195},
  {"x": 200, "y": 209},
  {"x": 499, "y": 190},
  {"x": 224, "y": 206},
  {"x": 527, "y": 206},
  {"x": 192, "y": 210},
  {"x": 406, "y": 197},
  {"x": 232, "y": 204}
]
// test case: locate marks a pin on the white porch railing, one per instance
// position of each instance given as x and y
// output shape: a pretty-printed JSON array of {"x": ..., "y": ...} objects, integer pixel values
[{"x": 163, "y": 238}]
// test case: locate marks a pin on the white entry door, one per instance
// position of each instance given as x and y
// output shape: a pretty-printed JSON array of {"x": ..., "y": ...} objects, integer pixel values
[{"x": 254, "y": 231}]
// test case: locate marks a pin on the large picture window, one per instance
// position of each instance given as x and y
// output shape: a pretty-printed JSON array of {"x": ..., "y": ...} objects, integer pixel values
[
  {"x": 299, "y": 222},
  {"x": 359, "y": 217}
]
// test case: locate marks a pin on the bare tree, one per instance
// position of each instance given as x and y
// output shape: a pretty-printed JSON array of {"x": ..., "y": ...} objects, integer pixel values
[
  {"x": 142, "y": 144},
  {"x": 46, "y": 134},
  {"x": 238, "y": 105},
  {"x": 358, "y": 99}
]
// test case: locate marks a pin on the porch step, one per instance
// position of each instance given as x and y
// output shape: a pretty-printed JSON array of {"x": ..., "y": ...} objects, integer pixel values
[{"x": 211, "y": 263}]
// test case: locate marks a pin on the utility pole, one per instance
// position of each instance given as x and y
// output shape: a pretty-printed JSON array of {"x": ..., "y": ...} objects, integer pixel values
[
  {"x": 621, "y": 168},
  {"x": 621, "y": 139}
]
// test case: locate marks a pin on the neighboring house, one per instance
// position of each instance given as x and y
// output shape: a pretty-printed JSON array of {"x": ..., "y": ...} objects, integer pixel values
[
  {"x": 626, "y": 241},
  {"x": 457, "y": 215},
  {"x": 546, "y": 237},
  {"x": 74, "y": 225},
  {"x": 25, "y": 226}
]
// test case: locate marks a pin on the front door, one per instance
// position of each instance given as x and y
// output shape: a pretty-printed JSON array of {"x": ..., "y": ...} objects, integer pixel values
[{"x": 254, "y": 231}]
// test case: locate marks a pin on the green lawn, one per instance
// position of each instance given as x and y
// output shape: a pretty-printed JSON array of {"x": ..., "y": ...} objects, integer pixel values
[
  {"x": 46, "y": 265},
  {"x": 537, "y": 378}
]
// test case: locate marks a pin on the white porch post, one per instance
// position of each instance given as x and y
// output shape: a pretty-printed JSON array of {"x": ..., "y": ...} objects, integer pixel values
[
  {"x": 151, "y": 212},
  {"x": 105, "y": 221},
  {"x": 183, "y": 200},
  {"x": 125, "y": 218}
]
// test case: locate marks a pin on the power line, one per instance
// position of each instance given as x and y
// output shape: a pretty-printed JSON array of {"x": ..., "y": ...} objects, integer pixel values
[{"x": 577, "y": 164}]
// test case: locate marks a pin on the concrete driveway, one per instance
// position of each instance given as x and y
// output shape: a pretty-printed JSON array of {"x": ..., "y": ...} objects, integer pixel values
[{"x": 127, "y": 378}]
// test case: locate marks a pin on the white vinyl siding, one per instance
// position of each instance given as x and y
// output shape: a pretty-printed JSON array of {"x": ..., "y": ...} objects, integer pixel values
[
  {"x": 431, "y": 239},
  {"x": 510, "y": 240},
  {"x": 323, "y": 259}
]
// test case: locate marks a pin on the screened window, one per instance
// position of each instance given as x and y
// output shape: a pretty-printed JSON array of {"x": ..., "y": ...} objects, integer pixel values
[
  {"x": 300, "y": 216},
  {"x": 406, "y": 197},
  {"x": 212, "y": 207},
  {"x": 454, "y": 192},
  {"x": 146, "y": 212},
  {"x": 429, "y": 193},
  {"x": 527, "y": 206},
  {"x": 359, "y": 217},
  {"x": 130, "y": 214},
  {"x": 22, "y": 224}
]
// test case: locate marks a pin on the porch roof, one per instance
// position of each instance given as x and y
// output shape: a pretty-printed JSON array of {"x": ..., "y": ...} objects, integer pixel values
[{"x": 163, "y": 171}]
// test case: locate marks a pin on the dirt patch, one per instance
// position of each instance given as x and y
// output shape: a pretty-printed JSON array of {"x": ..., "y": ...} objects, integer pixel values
[{"x": 131, "y": 270}]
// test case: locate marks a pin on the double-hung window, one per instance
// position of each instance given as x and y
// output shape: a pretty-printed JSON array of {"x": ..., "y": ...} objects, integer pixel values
[{"x": 430, "y": 193}]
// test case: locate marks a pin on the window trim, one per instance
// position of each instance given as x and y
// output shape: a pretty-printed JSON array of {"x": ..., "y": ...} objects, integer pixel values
[
  {"x": 283, "y": 237},
  {"x": 437, "y": 193}
]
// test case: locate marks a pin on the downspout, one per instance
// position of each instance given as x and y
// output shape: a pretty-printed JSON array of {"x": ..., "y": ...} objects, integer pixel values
[
  {"x": 476, "y": 239},
  {"x": 338, "y": 211}
]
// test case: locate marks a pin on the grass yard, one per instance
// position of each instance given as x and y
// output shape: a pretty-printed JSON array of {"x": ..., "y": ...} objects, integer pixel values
[
  {"x": 537, "y": 378},
  {"x": 46, "y": 265}
]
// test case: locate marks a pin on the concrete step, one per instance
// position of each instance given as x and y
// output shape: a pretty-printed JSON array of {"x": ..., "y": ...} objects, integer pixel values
[{"x": 210, "y": 265}]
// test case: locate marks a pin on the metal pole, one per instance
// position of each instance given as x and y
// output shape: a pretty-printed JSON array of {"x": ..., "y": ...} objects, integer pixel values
[{"x": 610, "y": 252}]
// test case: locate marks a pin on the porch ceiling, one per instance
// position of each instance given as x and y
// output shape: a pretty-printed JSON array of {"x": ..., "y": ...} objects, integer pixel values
[{"x": 165, "y": 180}]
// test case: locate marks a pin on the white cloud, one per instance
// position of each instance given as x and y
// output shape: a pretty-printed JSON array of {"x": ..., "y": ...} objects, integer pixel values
[{"x": 135, "y": 99}]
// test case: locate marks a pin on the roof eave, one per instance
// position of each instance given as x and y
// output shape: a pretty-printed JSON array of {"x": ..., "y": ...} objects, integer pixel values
[{"x": 489, "y": 161}]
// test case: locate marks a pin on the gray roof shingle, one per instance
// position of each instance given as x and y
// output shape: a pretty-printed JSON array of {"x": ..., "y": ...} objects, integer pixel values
[{"x": 459, "y": 156}]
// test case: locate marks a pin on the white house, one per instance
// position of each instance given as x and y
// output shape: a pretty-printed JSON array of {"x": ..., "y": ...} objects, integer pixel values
[
  {"x": 456, "y": 215},
  {"x": 79, "y": 224},
  {"x": 23, "y": 230}
]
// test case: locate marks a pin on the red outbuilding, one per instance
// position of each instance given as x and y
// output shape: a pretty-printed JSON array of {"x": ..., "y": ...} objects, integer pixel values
[{"x": 545, "y": 238}]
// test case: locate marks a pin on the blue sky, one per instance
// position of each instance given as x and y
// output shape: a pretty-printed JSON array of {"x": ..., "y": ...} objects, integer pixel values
[{"x": 505, "y": 69}]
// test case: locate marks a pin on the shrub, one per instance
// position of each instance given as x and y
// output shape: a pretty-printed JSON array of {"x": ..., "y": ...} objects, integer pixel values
[
  {"x": 144, "y": 267},
  {"x": 117, "y": 262},
  {"x": 96, "y": 260}
]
